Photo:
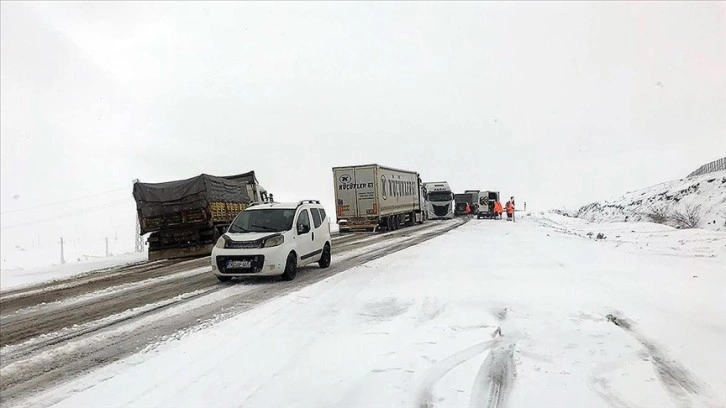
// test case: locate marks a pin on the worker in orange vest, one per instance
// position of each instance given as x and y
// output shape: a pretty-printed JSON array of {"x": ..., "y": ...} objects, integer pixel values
[
  {"x": 468, "y": 210},
  {"x": 497, "y": 209},
  {"x": 510, "y": 210}
]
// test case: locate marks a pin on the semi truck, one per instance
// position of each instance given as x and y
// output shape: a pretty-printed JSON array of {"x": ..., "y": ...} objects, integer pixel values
[
  {"x": 372, "y": 197},
  {"x": 186, "y": 217},
  {"x": 440, "y": 200}
]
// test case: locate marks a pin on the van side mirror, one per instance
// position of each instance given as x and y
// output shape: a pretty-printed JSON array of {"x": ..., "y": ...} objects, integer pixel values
[{"x": 303, "y": 229}]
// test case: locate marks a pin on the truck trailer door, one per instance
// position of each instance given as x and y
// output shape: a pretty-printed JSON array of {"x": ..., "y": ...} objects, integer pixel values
[
  {"x": 345, "y": 197},
  {"x": 365, "y": 179}
]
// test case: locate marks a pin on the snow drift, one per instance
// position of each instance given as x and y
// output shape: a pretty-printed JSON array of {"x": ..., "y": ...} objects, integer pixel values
[{"x": 705, "y": 194}]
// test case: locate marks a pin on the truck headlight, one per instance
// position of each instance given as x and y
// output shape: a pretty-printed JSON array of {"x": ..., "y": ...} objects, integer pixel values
[
  {"x": 273, "y": 241},
  {"x": 220, "y": 242}
]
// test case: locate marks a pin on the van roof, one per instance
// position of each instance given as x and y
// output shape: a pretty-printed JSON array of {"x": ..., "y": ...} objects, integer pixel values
[{"x": 286, "y": 205}]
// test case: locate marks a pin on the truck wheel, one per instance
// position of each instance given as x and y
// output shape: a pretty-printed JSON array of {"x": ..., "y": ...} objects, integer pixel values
[
  {"x": 411, "y": 218},
  {"x": 324, "y": 261},
  {"x": 224, "y": 278},
  {"x": 290, "y": 267}
]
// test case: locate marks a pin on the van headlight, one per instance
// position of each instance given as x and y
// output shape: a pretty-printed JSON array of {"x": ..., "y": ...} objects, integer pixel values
[
  {"x": 273, "y": 241},
  {"x": 220, "y": 242}
]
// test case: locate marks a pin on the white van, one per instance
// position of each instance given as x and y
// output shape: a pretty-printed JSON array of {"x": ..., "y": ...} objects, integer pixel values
[{"x": 273, "y": 239}]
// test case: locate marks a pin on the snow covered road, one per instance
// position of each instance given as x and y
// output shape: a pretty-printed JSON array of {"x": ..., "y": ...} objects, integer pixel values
[
  {"x": 57, "y": 330},
  {"x": 491, "y": 314}
]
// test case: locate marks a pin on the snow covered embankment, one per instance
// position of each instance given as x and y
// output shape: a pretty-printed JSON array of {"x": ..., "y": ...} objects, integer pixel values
[
  {"x": 707, "y": 191},
  {"x": 641, "y": 236}
]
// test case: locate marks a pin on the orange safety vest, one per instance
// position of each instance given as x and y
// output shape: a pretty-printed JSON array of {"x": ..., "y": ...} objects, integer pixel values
[
  {"x": 468, "y": 209},
  {"x": 510, "y": 208},
  {"x": 498, "y": 207}
]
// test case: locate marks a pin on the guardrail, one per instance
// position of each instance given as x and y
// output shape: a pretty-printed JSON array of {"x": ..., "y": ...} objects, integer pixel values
[{"x": 715, "y": 165}]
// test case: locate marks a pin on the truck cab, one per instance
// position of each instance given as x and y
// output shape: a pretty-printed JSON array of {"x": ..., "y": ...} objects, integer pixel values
[{"x": 440, "y": 200}]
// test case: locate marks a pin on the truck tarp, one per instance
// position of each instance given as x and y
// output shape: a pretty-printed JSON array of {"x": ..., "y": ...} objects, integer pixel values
[
  {"x": 248, "y": 177},
  {"x": 153, "y": 199}
]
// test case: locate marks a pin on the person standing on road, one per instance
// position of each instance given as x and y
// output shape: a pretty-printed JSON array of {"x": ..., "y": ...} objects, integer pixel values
[
  {"x": 468, "y": 210},
  {"x": 510, "y": 210},
  {"x": 497, "y": 210}
]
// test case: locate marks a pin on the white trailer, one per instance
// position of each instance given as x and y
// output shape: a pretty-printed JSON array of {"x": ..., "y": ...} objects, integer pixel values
[
  {"x": 440, "y": 200},
  {"x": 368, "y": 197}
]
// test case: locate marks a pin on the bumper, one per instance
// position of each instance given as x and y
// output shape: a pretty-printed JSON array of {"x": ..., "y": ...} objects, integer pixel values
[
  {"x": 358, "y": 224},
  {"x": 264, "y": 261}
]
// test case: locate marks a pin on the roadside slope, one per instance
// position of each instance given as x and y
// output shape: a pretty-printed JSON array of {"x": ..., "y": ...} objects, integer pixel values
[{"x": 707, "y": 191}]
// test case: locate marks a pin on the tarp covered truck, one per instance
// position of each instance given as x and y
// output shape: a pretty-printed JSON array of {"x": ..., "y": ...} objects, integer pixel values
[
  {"x": 369, "y": 197},
  {"x": 186, "y": 217}
]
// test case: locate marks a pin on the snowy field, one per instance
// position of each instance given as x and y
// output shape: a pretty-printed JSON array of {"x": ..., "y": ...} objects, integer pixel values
[
  {"x": 15, "y": 278},
  {"x": 532, "y": 314}
]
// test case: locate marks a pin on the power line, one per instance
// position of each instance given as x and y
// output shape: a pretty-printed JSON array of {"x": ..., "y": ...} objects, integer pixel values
[
  {"x": 83, "y": 211},
  {"x": 64, "y": 201}
]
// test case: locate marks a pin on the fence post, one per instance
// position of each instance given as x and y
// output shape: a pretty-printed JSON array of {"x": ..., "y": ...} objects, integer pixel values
[{"x": 63, "y": 259}]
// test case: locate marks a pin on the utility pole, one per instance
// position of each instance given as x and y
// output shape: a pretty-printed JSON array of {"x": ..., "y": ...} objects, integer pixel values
[
  {"x": 63, "y": 259},
  {"x": 106, "y": 246}
]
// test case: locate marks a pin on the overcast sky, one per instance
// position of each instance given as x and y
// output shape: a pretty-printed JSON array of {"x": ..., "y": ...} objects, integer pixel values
[{"x": 558, "y": 104}]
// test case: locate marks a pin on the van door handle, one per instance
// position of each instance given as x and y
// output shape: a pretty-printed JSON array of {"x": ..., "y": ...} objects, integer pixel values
[{"x": 313, "y": 235}]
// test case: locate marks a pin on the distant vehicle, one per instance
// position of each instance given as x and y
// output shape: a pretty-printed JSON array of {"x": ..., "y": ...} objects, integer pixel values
[
  {"x": 486, "y": 204},
  {"x": 273, "y": 239},
  {"x": 473, "y": 197},
  {"x": 186, "y": 217},
  {"x": 369, "y": 197},
  {"x": 440, "y": 200},
  {"x": 460, "y": 200}
]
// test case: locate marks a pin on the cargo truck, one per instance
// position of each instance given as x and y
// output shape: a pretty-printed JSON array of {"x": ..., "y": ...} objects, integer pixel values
[
  {"x": 186, "y": 217},
  {"x": 473, "y": 197},
  {"x": 440, "y": 200},
  {"x": 372, "y": 197}
]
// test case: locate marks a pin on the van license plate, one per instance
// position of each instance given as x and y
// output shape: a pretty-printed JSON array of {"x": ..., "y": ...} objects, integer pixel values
[{"x": 238, "y": 264}]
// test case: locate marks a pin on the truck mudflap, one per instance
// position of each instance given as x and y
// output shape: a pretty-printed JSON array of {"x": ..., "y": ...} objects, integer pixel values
[{"x": 184, "y": 252}]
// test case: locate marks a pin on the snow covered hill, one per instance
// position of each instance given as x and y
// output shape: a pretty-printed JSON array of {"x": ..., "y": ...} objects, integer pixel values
[{"x": 706, "y": 194}]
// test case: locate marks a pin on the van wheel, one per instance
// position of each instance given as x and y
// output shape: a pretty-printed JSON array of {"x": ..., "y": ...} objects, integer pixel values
[
  {"x": 324, "y": 261},
  {"x": 290, "y": 267},
  {"x": 224, "y": 278}
]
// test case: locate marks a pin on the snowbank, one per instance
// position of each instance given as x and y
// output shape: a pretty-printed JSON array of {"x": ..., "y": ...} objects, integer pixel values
[
  {"x": 645, "y": 236},
  {"x": 14, "y": 278},
  {"x": 493, "y": 310},
  {"x": 707, "y": 191}
]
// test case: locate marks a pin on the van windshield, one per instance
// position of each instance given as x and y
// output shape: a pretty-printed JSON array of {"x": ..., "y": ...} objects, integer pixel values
[{"x": 267, "y": 220}]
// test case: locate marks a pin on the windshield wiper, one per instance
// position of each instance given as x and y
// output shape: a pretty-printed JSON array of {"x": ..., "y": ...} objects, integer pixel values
[
  {"x": 264, "y": 227},
  {"x": 235, "y": 228}
]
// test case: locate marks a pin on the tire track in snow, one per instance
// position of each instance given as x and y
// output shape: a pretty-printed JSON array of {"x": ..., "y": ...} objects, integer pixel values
[
  {"x": 681, "y": 385},
  {"x": 495, "y": 377},
  {"x": 440, "y": 369}
]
